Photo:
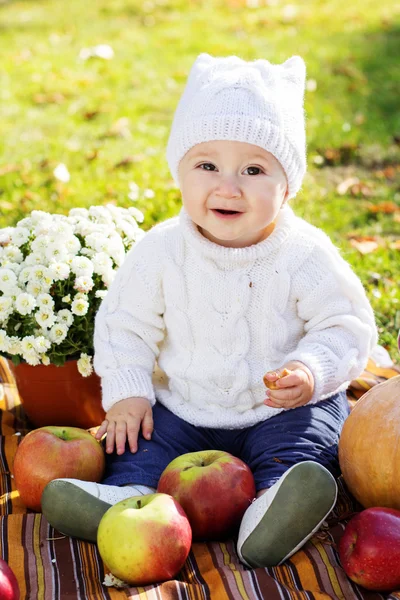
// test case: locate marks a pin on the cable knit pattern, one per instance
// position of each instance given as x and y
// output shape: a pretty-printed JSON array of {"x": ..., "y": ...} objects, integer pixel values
[{"x": 215, "y": 319}]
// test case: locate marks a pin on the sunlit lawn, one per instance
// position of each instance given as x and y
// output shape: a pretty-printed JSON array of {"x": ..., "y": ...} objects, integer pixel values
[{"x": 108, "y": 120}]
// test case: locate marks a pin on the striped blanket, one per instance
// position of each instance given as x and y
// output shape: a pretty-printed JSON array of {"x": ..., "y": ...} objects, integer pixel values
[{"x": 50, "y": 566}]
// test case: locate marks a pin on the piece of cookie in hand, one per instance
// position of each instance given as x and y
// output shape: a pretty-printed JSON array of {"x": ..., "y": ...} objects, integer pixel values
[{"x": 271, "y": 385}]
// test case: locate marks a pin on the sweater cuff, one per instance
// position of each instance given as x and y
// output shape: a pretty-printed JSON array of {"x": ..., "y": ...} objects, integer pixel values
[{"x": 126, "y": 383}]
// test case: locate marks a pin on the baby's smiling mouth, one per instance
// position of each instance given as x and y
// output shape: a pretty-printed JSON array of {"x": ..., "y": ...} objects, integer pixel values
[{"x": 222, "y": 211}]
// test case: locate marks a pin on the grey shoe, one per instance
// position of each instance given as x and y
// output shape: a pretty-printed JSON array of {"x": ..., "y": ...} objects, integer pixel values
[
  {"x": 72, "y": 510},
  {"x": 280, "y": 522},
  {"x": 75, "y": 507}
]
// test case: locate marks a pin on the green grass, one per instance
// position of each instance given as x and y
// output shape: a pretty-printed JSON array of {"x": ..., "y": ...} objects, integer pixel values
[{"x": 55, "y": 108}]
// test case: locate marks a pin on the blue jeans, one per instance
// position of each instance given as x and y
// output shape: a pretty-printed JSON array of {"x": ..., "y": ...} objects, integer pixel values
[{"x": 269, "y": 448}]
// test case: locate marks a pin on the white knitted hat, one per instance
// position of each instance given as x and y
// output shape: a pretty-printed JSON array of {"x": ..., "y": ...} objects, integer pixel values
[{"x": 254, "y": 102}]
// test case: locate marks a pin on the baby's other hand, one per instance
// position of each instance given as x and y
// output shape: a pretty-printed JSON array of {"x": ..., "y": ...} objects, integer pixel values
[
  {"x": 123, "y": 422},
  {"x": 290, "y": 386}
]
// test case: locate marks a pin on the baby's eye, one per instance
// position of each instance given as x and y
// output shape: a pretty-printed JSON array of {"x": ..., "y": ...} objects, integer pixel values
[
  {"x": 206, "y": 166},
  {"x": 257, "y": 169}
]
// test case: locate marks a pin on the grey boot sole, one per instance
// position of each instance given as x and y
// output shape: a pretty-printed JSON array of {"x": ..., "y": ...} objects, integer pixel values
[
  {"x": 72, "y": 511},
  {"x": 302, "y": 502}
]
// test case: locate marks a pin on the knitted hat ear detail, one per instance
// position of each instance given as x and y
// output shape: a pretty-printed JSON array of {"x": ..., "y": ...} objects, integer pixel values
[{"x": 255, "y": 102}]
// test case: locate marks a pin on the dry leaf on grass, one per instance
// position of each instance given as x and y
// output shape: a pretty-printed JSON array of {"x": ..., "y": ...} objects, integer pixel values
[
  {"x": 387, "y": 208},
  {"x": 364, "y": 244}
]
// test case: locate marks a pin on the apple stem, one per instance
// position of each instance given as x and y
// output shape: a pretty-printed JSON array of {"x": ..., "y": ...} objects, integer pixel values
[{"x": 139, "y": 504}]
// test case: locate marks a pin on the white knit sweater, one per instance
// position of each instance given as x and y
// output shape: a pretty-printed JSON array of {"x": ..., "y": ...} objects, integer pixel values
[{"x": 216, "y": 319}]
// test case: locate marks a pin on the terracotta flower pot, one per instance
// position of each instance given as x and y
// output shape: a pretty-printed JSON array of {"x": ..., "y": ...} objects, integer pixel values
[{"x": 54, "y": 395}]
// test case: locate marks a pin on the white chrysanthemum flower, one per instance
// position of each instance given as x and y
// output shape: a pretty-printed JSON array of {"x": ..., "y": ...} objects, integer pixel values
[
  {"x": 88, "y": 252},
  {"x": 126, "y": 229},
  {"x": 56, "y": 251},
  {"x": 59, "y": 271},
  {"x": 8, "y": 280},
  {"x": 136, "y": 213},
  {"x": 42, "y": 344},
  {"x": 5, "y": 235},
  {"x": 101, "y": 263},
  {"x": 32, "y": 358},
  {"x": 20, "y": 236},
  {"x": 79, "y": 307},
  {"x": 66, "y": 299},
  {"x": 100, "y": 214},
  {"x": 28, "y": 344},
  {"x": 111, "y": 580},
  {"x": 35, "y": 288},
  {"x": 37, "y": 216},
  {"x": 14, "y": 267},
  {"x": 45, "y": 301},
  {"x": 13, "y": 254},
  {"x": 73, "y": 245},
  {"x": 101, "y": 294},
  {"x": 45, "y": 360},
  {"x": 82, "y": 266},
  {"x": 84, "y": 365},
  {"x": 98, "y": 242},
  {"x": 45, "y": 317},
  {"x": 6, "y": 307},
  {"x": 83, "y": 284},
  {"x": 14, "y": 345},
  {"x": 23, "y": 276},
  {"x": 3, "y": 340},
  {"x": 40, "y": 244},
  {"x": 36, "y": 258},
  {"x": 79, "y": 212},
  {"x": 108, "y": 277},
  {"x": 63, "y": 230},
  {"x": 65, "y": 316},
  {"x": 38, "y": 274},
  {"x": 58, "y": 333},
  {"x": 25, "y": 303},
  {"x": 117, "y": 250}
]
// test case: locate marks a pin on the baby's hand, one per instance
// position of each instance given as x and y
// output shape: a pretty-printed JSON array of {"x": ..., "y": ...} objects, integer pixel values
[
  {"x": 289, "y": 387},
  {"x": 123, "y": 421}
]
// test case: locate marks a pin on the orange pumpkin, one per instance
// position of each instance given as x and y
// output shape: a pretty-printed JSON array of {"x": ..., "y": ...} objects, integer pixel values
[{"x": 369, "y": 447}]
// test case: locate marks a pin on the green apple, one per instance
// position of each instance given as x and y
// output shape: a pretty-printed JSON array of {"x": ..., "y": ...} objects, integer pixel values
[
  {"x": 214, "y": 489},
  {"x": 145, "y": 539},
  {"x": 52, "y": 452}
]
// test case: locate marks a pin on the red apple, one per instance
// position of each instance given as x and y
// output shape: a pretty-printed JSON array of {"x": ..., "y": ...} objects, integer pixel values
[
  {"x": 52, "y": 452},
  {"x": 145, "y": 539},
  {"x": 214, "y": 489},
  {"x": 369, "y": 549},
  {"x": 9, "y": 589}
]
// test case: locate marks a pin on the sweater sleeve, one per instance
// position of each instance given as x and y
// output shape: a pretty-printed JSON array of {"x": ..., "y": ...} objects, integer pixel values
[
  {"x": 129, "y": 327},
  {"x": 339, "y": 324}
]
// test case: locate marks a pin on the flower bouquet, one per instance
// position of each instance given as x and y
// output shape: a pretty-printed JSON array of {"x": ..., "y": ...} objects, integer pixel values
[{"x": 54, "y": 273}]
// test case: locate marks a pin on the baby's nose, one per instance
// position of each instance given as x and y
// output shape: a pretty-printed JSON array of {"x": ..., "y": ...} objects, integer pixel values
[{"x": 228, "y": 187}]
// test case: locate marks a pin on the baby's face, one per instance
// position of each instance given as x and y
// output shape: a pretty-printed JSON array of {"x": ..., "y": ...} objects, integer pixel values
[{"x": 232, "y": 190}]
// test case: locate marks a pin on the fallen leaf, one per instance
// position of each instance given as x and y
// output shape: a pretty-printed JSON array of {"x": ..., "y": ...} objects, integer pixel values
[
  {"x": 387, "y": 208},
  {"x": 8, "y": 169},
  {"x": 365, "y": 245},
  {"x": 344, "y": 185},
  {"x": 91, "y": 114},
  {"x": 50, "y": 98},
  {"x": 128, "y": 160}
]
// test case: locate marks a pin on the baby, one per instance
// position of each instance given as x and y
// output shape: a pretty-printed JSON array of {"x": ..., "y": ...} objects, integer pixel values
[{"x": 234, "y": 289}]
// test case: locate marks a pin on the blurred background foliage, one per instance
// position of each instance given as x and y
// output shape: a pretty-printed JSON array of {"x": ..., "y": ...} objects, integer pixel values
[{"x": 88, "y": 91}]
